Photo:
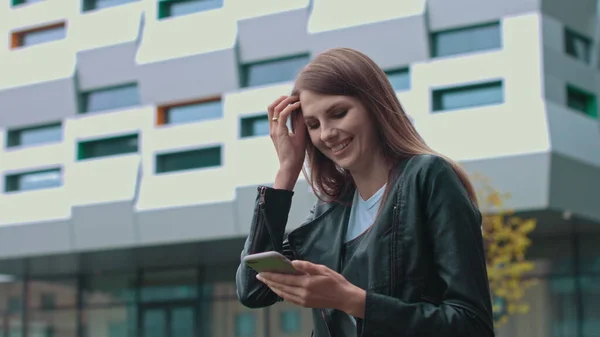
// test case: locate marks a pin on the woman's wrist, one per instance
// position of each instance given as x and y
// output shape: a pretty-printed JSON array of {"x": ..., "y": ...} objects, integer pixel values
[
  {"x": 355, "y": 302},
  {"x": 284, "y": 180}
]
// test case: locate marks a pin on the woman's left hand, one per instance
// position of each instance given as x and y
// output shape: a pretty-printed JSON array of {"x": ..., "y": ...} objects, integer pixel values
[{"x": 318, "y": 287}]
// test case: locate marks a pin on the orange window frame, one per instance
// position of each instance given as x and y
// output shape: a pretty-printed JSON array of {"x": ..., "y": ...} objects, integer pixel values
[
  {"x": 16, "y": 38},
  {"x": 163, "y": 110}
]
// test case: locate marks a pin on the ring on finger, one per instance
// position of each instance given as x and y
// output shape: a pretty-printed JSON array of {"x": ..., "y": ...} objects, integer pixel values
[{"x": 274, "y": 119}]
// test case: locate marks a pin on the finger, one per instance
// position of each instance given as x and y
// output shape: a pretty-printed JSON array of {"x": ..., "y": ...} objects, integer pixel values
[
  {"x": 282, "y": 105},
  {"x": 310, "y": 268},
  {"x": 271, "y": 107},
  {"x": 293, "y": 280},
  {"x": 289, "y": 297},
  {"x": 284, "y": 116},
  {"x": 298, "y": 126}
]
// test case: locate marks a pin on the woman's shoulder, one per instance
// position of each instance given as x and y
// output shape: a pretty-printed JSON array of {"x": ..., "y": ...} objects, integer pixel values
[{"x": 421, "y": 167}]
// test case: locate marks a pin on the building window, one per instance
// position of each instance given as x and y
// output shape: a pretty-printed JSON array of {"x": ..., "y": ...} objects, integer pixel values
[
  {"x": 38, "y": 35},
  {"x": 466, "y": 40},
  {"x": 190, "y": 112},
  {"x": 290, "y": 322},
  {"x": 47, "y": 301},
  {"x": 35, "y": 180},
  {"x": 172, "y": 8},
  {"x": 245, "y": 324},
  {"x": 582, "y": 101},
  {"x": 578, "y": 46},
  {"x": 14, "y": 305},
  {"x": 23, "y": 2},
  {"x": 273, "y": 71},
  {"x": 90, "y": 5},
  {"x": 44, "y": 134},
  {"x": 399, "y": 79},
  {"x": 107, "y": 147},
  {"x": 468, "y": 96},
  {"x": 254, "y": 126},
  {"x": 188, "y": 160},
  {"x": 117, "y": 97}
]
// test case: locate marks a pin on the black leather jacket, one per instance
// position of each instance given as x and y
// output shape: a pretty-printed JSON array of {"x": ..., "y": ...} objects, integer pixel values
[{"x": 426, "y": 263}]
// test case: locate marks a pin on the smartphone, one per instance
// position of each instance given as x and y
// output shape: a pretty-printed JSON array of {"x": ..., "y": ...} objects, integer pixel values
[{"x": 272, "y": 262}]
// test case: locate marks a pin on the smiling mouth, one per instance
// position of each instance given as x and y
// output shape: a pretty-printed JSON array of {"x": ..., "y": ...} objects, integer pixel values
[{"x": 340, "y": 147}]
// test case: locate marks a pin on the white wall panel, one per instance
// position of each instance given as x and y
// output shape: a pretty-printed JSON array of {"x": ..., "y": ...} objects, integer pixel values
[
  {"x": 90, "y": 30},
  {"x": 243, "y": 9},
  {"x": 191, "y": 34},
  {"x": 102, "y": 180},
  {"x": 35, "y": 206},
  {"x": 355, "y": 13}
]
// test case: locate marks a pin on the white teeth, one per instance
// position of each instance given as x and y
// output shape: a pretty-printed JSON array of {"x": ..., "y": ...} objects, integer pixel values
[{"x": 340, "y": 147}]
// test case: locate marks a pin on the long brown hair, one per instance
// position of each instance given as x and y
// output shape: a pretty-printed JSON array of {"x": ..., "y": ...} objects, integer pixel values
[{"x": 347, "y": 72}]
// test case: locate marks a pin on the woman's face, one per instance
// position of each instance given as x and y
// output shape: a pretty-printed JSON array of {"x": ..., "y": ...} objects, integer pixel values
[{"x": 342, "y": 129}]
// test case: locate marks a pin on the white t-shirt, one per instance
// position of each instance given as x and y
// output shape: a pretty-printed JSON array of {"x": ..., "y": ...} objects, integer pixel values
[{"x": 363, "y": 213}]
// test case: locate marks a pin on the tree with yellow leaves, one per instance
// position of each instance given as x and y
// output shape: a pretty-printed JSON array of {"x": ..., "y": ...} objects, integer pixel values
[{"x": 506, "y": 241}]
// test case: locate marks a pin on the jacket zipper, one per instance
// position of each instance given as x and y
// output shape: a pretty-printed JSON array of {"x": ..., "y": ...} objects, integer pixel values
[
  {"x": 326, "y": 320},
  {"x": 259, "y": 228},
  {"x": 392, "y": 289}
]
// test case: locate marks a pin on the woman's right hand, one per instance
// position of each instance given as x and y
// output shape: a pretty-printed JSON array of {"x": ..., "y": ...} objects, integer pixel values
[{"x": 290, "y": 147}]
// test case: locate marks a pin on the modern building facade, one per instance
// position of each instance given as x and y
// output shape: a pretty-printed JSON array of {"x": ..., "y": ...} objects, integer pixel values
[{"x": 133, "y": 137}]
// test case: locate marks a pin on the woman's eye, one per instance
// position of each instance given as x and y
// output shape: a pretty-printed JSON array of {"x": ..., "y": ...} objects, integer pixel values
[
  {"x": 312, "y": 126},
  {"x": 340, "y": 114}
]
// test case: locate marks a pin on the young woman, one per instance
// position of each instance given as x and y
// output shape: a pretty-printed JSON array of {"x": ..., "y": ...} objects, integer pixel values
[{"x": 393, "y": 247}]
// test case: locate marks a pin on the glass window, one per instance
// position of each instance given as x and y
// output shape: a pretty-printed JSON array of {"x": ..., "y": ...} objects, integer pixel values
[
  {"x": 290, "y": 321},
  {"x": 22, "y": 2},
  {"x": 245, "y": 324},
  {"x": 108, "y": 147},
  {"x": 54, "y": 293},
  {"x": 590, "y": 288},
  {"x": 113, "y": 321},
  {"x": 466, "y": 40},
  {"x": 35, "y": 135},
  {"x": 89, "y": 5},
  {"x": 33, "y": 180},
  {"x": 109, "y": 289},
  {"x": 38, "y": 36},
  {"x": 582, "y": 101},
  {"x": 273, "y": 71},
  {"x": 110, "y": 98},
  {"x": 468, "y": 96},
  {"x": 254, "y": 126},
  {"x": 578, "y": 46},
  {"x": 188, "y": 160},
  {"x": 399, "y": 79},
  {"x": 52, "y": 323},
  {"x": 193, "y": 112},
  {"x": 172, "y": 8},
  {"x": 169, "y": 285}
]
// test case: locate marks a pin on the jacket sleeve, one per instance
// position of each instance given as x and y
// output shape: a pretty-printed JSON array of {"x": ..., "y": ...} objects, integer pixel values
[
  {"x": 454, "y": 224},
  {"x": 267, "y": 232}
]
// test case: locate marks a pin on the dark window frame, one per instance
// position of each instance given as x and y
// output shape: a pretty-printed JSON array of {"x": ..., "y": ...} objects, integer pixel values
[
  {"x": 13, "y": 136},
  {"x": 12, "y": 180},
  {"x": 591, "y": 101},
  {"x": 571, "y": 36},
  {"x": 91, "y": 5},
  {"x": 160, "y": 158},
  {"x": 81, "y": 150},
  {"x": 437, "y": 95},
  {"x": 83, "y": 98},
  {"x": 245, "y": 67},
  {"x": 165, "y": 7},
  {"x": 434, "y": 52},
  {"x": 245, "y": 125}
]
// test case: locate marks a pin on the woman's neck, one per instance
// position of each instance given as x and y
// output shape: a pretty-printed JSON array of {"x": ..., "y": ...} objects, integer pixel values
[{"x": 371, "y": 179}]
